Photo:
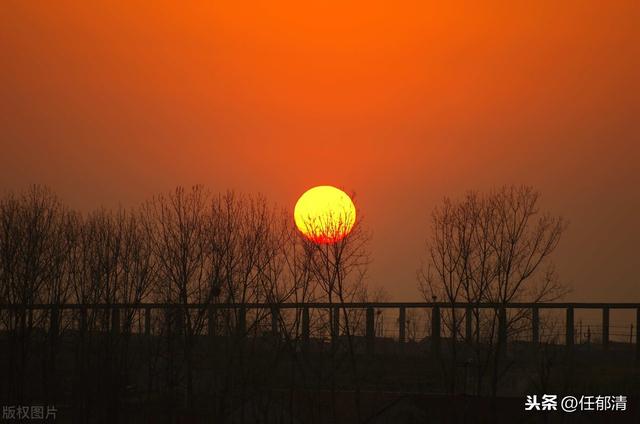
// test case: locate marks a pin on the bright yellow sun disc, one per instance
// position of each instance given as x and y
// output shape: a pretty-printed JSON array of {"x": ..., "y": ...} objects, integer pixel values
[{"x": 325, "y": 214}]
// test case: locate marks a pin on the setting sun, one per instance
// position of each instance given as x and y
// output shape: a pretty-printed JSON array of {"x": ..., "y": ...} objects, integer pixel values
[{"x": 324, "y": 214}]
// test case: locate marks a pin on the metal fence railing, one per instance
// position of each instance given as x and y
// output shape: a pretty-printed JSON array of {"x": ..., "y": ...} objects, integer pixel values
[{"x": 400, "y": 321}]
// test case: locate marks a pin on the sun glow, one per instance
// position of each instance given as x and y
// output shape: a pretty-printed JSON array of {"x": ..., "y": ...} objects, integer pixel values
[{"x": 324, "y": 214}]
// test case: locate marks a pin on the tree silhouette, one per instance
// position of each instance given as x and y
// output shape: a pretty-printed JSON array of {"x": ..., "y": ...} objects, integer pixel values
[{"x": 490, "y": 248}]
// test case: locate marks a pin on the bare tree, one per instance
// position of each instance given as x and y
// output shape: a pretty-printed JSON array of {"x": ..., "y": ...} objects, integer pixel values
[
  {"x": 33, "y": 245},
  {"x": 245, "y": 240},
  {"x": 490, "y": 248},
  {"x": 176, "y": 225},
  {"x": 339, "y": 260}
]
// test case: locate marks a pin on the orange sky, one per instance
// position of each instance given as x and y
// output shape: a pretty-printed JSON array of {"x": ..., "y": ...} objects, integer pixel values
[{"x": 400, "y": 102}]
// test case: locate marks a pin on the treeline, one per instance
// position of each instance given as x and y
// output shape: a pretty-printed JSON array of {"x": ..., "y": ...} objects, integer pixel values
[
  {"x": 194, "y": 247},
  {"x": 189, "y": 246}
]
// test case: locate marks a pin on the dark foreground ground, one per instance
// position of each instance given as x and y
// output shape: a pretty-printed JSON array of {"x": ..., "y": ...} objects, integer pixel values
[
  {"x": 102, "y": 378},
  {"x": 398, "y": 408}
]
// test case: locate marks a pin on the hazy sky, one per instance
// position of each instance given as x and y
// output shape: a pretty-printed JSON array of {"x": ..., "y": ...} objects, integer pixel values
[{"x": 399, "y": 102}]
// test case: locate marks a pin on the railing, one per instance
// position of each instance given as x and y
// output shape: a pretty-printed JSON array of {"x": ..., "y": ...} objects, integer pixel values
[{"x": 369, "y": 307}]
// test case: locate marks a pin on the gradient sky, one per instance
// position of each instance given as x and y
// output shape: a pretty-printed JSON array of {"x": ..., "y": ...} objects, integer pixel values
[{"x": 402, "y": 104}]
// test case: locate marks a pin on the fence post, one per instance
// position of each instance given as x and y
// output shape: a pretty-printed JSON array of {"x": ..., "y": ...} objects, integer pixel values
[
  {"x": 402, "y": 321},
  {"x": 211, "y": 323},
  {"x": 54, "y": 329},
  {"x": 275, "y": 316},
  {"x": 605, "y": 327},
  {"x": 305, "y": 328},
  {"x": 535, "y": 325},
  {"x": 502, "y": 330},
  {"x": 569, "y": 328},
  {"x": 435, "y": 331},
  {"x": 180, "y": 314},
  {"x": 147, "y": 322},
  {"x": 638, "y": 335},
  {"x": 83, "y": 320},
  {"x": 147, "y": 339},
  {"x": 22, "y": 316},
  {"x": 241, "y": 325},
  {"x": 335, "y": 323},
  {"x": 115, "y": 321},
  {"x": 54, "y": 323},
  {"x": 468, "y": 329},
  {"x": 370, "y": 330}
]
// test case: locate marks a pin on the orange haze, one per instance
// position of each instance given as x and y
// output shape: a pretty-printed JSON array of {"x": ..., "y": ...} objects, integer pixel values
[{"x": 401, "y": 102}]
